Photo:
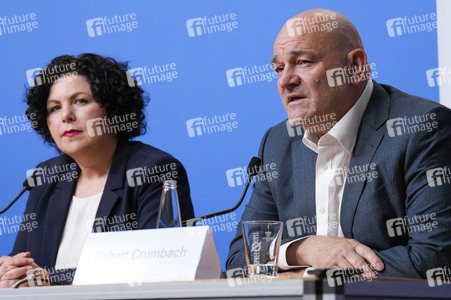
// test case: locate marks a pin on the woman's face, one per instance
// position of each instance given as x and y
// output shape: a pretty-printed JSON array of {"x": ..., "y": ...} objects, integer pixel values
[{"x": 72, "y": 113}]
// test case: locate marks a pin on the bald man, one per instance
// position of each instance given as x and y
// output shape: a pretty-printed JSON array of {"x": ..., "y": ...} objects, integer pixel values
[{"x": 362, "y": 167}]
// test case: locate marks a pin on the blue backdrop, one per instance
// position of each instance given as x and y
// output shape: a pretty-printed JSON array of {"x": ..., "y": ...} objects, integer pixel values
[{"x": 192, "y": 71}]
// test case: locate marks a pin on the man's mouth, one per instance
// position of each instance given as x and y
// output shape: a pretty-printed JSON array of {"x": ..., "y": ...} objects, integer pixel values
[
  {"x": 71, "y": 133},
  {"x": 294, "y": 98}
]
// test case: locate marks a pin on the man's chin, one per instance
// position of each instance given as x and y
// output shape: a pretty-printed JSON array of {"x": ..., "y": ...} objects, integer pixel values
[{"x": 297, "y": 120}]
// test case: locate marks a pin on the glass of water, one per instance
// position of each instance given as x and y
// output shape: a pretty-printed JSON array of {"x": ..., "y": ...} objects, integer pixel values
[{"x": 262, "y": 243}]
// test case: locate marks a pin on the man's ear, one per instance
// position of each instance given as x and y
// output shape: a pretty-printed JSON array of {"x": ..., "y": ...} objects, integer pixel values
[{"x": 357, "y": 62}]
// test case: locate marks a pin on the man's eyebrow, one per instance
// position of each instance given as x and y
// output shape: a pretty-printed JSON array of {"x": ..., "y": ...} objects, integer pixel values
[
  {"x": 301, "y": 52},
  {"x": 294, "y": 53}
]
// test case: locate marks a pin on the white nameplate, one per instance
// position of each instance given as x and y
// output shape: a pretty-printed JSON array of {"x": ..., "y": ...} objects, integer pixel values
[{"x": 153, "y": 255}]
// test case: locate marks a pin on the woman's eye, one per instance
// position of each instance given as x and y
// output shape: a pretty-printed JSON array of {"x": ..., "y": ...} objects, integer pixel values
[
  {"x": 81, "y": 101},
  {"x": 54, "y": 108}
]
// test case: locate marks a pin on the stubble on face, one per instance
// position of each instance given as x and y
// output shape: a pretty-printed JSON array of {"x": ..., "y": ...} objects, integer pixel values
[{"x": 322, "y": 50}]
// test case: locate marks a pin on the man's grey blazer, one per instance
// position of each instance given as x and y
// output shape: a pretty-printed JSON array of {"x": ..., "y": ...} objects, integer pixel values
[{"x": 397, "y": 200}]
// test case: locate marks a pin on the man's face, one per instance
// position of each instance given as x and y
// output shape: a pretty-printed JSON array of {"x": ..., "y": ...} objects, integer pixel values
[{"x": 301, "y": 63}]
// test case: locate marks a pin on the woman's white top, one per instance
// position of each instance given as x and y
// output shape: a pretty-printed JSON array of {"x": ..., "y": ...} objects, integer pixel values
[{"x": 82, "y": 213}]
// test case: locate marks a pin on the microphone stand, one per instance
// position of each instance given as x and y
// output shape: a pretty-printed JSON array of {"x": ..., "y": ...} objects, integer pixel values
[
  {"x": 255, "y": 162},
  {"x": 26, "y": 187}
]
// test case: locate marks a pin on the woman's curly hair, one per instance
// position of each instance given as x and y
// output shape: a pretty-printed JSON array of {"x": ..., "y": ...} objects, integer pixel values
[{"x": 110, "y": 84}]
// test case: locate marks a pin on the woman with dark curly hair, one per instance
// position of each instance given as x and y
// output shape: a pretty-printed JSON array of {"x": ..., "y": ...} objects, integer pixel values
[{"x": 89, "y": 108}]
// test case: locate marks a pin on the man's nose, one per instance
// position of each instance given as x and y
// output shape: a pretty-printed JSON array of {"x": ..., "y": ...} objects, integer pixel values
[{"x": 289, "y": 77}]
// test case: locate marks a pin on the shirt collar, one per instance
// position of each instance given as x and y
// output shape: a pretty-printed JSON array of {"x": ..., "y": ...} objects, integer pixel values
[{"x": 345, "y": 131}]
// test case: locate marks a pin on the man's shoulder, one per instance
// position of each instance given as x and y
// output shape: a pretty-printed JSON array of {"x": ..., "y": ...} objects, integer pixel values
[
  {"x": 402, "y": 101},
  {"x": 278, "y": 140},
  {"x": 284, "y": 131}
]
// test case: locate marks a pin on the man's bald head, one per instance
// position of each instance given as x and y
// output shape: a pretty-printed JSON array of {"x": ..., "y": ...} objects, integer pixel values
[
  {"x": 322, "y": 67},
  {"x": 327, "y": 25}
]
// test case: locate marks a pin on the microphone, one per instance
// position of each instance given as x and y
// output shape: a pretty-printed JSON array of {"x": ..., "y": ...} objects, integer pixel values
[
  {"x": 252, "y": 170},
  {"x": 26, "y": 187}
]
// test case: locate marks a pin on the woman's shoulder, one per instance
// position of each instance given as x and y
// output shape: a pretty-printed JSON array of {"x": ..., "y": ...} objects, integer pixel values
[
  {"x": 144, "y": 154},
  {"x": 59, "y": 163}
]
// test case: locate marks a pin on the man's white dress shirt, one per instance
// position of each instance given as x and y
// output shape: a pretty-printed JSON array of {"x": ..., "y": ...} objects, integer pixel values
[{"x": 334, "y": 151}]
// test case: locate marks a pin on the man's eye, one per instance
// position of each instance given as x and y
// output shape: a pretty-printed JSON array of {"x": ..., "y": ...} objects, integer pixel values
[
  {"x": 303, "y": 62},
  {"x": 278, "y": 69}
]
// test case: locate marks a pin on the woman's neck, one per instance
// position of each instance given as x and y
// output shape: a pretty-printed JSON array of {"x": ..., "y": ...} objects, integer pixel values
[{"x": 95, "y": 168}]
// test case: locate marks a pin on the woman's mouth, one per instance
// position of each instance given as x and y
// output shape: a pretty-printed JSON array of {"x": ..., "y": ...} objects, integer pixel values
[{"x": 71, "y": 133}]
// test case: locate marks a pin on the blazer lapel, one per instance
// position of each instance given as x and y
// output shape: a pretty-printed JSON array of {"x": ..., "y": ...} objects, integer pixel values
[
  {"x": 362, "y": 155},
  {"x": 58, "y": 208},
  {"x": 106, "y": 205},
  {"x": 304, "y": 162},
  {"x": 114, "y": 182},
  {"x": 367, "y": 142},
  {"x": 59, "y": 202}
]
